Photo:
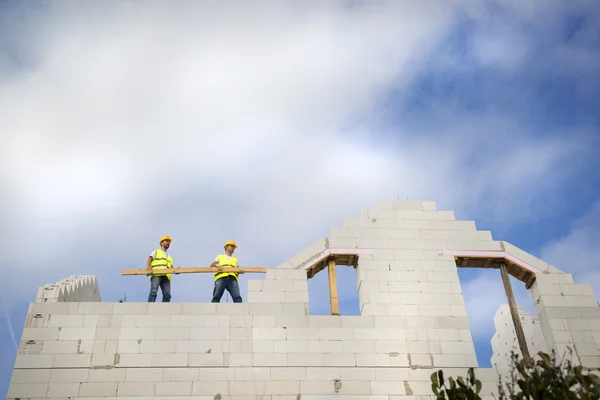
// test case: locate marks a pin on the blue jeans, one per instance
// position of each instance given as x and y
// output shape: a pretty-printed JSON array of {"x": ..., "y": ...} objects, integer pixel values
[
  {"x": 165, "y": 287},
  {"x": 231, "y": 284}
]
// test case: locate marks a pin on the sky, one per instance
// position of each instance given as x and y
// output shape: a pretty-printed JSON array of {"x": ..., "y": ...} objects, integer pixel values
[{"x": 271, "y": 123}]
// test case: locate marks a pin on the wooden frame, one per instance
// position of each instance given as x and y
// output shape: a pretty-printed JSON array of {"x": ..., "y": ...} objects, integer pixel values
[
  {"x": 508, "y": 265},
  {"x": 492, "y": 259},
  {"x": 330, "y": 259}
]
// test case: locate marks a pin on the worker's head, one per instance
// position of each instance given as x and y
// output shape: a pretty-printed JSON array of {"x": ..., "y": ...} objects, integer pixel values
[
  {"x": 230, "y": 247},
  {"x": 165, "y": 242}
]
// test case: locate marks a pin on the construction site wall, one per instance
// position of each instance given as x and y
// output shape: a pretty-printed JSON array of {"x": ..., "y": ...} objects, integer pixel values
[
  {"x": 504, "y": 342},
  {"x": 413, "y": 322}
]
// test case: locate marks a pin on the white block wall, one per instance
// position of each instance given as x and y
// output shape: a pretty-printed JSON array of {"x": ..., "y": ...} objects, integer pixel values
[
  {"x": 73, "y": 288},
  {"x": 413, "y": 322},
  {"x": 505, "y": 341},
  {"x": 204, "y": 350}
]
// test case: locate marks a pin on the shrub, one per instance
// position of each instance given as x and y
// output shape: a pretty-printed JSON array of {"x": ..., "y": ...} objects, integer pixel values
[
  {"x": 547, "y": 378},
  {"x": 458, "y": 389}
]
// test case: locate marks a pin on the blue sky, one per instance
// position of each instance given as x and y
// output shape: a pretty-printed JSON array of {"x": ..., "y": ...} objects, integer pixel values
[{"x": 272, "y": 124}]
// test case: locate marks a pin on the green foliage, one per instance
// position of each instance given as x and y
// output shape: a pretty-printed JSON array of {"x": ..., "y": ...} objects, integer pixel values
[
  {"x": 549, "y": 379},
  {"x": 458, "y": 389},
  {"x": 545, "y": 379}
]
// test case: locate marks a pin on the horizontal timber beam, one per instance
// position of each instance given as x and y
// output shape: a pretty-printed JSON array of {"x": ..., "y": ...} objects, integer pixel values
[{"x": 189, "y": 270}]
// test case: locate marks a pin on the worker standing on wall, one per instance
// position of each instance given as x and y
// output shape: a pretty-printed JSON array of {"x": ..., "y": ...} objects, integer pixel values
[
  {"x": 226, "y": 280},
  {"x": 159, "y": 258}
]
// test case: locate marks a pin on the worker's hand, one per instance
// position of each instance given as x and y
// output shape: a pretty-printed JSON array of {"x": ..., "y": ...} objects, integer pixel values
[{"x": 241, "y": 271}]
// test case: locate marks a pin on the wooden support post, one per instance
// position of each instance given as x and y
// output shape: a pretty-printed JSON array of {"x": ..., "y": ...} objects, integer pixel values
[
  {"x": 515, "y": 314},
  {"x": 333, "y": 292}
]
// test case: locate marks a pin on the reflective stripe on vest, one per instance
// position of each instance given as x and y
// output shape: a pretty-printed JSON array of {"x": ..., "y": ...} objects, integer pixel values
[
  {"x": 161, "y": 260},
  {"x": 225, "y": 263}
]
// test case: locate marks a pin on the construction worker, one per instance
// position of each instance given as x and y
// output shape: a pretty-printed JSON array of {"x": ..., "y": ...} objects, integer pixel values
[
  {"x": 159, "y": 258},
  {"x": 225, "y": 280}
]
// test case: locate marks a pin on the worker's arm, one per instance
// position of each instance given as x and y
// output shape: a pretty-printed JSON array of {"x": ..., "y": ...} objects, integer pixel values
[
  {"x": 215, "y": 264},
  {"x": 148, "y": 262}
]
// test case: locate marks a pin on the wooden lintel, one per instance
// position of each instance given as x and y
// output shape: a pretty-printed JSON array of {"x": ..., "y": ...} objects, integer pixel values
[
  {"x": 487, "y": 263},
  {"x": 515, "y": 314},
  {"x": 530, "y": 281},
  {"x": 464, "y": 262},
  {"x": 521, "y": 274},
  {"x": 333, "y": 292},
  {"x": 189, "y": 270}
]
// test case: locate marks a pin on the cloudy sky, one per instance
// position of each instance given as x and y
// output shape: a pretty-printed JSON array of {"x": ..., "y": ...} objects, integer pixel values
[{"x": 270, "y": 123}]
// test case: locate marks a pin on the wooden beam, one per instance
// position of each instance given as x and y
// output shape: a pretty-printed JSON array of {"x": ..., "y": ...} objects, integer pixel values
[
  {"x": 530, "y": 281},
  {"x": 333, "y": 292},
  {"x": 515, "y": 314},
  {"x": 464, "y": 262},
  {"x": 188, "y": 270}
]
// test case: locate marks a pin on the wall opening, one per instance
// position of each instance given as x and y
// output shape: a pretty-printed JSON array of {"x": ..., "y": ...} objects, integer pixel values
[
  {"x": 347, "y": 292},
  {"x": 490, "y": 320}
]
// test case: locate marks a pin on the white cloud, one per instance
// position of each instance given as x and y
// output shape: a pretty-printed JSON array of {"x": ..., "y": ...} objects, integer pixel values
[
  {"x": 576, "y": 253},
  {"x": 211, "y": 122}
]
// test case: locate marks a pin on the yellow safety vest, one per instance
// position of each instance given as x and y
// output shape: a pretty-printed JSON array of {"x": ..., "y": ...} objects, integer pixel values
[
  {"x": 161, "y": 261},
  {"x": 225, "y": 263}
]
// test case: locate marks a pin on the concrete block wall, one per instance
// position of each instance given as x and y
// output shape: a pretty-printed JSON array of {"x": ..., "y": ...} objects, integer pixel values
[
  {"x": 569, "y": 316},
  {"x": 413, "y": 322},
  {"x": 207, "y": 351},
  {"x": 73, "y": 288},
  {"x": 505, "y": 341},
  {"x": 407, "y": 285}
]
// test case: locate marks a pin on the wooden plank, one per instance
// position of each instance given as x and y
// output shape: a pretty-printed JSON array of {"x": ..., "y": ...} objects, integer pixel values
[
  {"x": 464, "y": 262},
  {"x": 530, "y": 281},
  {"x": 515, "y": 314},
  {"x": 188, "y": 270},
  {"x": 333, "y": 292}
]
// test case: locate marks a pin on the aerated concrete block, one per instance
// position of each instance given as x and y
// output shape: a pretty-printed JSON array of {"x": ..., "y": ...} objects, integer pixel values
[
  {"x": 173, "y": 388},
  {"x": 98, "y": 389},
  {"x": 411, "y": 205},
  {"x": 359, "y": 223},
  {"x": 96, "y": 308},
  {"x": 27, "y": 390},
  {"x": 290, "y": 274},
  {"x": 345, "y": 243},
  {"x": 136, "y": 389},
  {"x": 62, "y": 390},
  {"x": 149, "y": 374},
  {"x": 344, "y": 233},
  {"x": 30, "y": 376},
  {"x": 477, "y": 245}
]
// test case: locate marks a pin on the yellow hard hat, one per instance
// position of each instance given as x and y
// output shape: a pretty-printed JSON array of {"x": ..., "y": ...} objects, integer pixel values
[
  {"x": 231, "y": 242},
  {"x": 166, "y": 237}
]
